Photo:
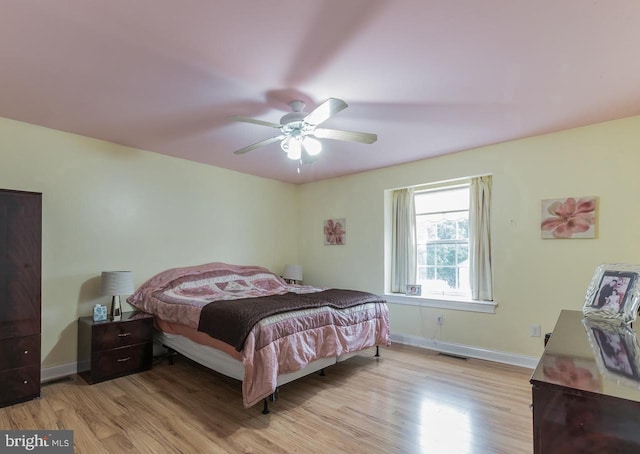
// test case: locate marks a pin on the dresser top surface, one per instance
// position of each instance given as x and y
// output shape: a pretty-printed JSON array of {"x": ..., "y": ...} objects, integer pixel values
[
  {"x": 592, "y": 355},
  {"x": 126, "y": 317}
]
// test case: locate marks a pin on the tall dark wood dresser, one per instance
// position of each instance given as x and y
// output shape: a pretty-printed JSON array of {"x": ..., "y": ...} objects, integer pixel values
[{"x": 20, "y": 292}]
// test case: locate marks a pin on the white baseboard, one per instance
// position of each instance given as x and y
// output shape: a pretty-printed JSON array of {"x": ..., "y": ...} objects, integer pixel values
[
  {"x": 53, "y": 373},
  {"x": 467, "y": 351},
  {"x": 65, "y": 370}
]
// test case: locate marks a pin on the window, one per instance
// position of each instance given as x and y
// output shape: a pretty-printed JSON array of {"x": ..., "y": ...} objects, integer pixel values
[{"x": 442, "y": 240}]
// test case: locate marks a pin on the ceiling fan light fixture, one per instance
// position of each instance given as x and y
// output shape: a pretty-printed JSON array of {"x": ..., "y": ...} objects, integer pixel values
[
  {"x": 312, "y": 146},
  {"x": 300, "y": 131},
  {"x": 292, "y": 147}
]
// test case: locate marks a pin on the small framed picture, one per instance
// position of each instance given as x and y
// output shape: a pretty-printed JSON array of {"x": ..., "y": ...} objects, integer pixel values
[
  {"x": 414, "y": 290},
  {"x": 614, "y": 293},
  {"x": 99, "y": 313},
  {"x": 616, "y": 351},
  {"x": 335, "y": 232}
]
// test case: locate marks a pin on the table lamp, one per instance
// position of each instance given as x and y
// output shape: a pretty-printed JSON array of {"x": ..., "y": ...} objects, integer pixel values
[
  {"x": 292, "y": 273},
  {"x": 116, "y": 283}
]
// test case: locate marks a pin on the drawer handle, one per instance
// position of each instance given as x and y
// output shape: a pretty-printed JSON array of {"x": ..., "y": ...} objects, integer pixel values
[
  {"x": 26, "y": 352},
  {"x": 123, "y": 334},
  {"x": 122, "y": 360},
  {"x": 25, "y": 382}
]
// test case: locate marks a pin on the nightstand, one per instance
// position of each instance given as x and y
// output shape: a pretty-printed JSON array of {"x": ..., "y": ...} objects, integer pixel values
[{"x": 111, "y": 349}]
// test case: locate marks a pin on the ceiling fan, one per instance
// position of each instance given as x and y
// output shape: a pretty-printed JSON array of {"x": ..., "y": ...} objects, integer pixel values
[{"x": 299, "y": 130}]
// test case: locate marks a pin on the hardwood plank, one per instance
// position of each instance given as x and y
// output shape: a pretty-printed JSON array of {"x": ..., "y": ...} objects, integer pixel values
[{"x": 410, "y": 400}]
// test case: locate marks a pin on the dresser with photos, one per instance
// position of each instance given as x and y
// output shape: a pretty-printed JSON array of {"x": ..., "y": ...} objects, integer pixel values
[{"x": 586, "y": 389}]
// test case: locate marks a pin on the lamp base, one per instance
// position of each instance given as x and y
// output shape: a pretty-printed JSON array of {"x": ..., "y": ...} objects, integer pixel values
[{"x": 116, "y": 309}]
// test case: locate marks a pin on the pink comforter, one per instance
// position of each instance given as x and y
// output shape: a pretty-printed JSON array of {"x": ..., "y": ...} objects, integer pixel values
[{"x": 178, "y": 295}]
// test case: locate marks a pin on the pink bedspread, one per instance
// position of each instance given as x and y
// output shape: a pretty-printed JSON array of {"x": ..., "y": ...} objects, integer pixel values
[
  {"x": 316, "y": 333},
  {"x": 178, "y": 295}
]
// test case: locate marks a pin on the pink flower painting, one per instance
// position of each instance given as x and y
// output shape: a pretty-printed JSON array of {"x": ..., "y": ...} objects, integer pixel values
[
  {"x": 335, "y": 231},
  {"x": 572, "y": 217}
]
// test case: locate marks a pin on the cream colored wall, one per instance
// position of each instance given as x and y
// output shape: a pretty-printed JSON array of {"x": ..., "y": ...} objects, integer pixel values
[
  {"x": 109, "y": 207},
  {"x": 534, "y": 278}
]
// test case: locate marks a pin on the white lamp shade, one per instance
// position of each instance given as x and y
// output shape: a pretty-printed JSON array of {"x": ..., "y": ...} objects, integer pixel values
[
  {"x": 294, "y": 149},
  {"x": 312, "y": 146},
  {"x": 117, "y": 283},
  {"x": 292, "y": 272}
]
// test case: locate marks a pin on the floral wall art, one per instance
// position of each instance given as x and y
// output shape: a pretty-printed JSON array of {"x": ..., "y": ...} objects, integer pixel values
[
  {"x": 335, "y": 231},
  {"x": 571, "y": 217}
]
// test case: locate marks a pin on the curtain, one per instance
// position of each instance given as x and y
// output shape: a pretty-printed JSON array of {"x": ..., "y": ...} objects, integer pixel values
[
  {"x": 403, "y": 238},
  {"x": 481, "y": 279}
]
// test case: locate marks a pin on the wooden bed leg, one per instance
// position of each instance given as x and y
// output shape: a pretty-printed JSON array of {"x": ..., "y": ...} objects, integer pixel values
[
  {"x": 322, "y": 374},
  {"x": 377, "y": 351},
  {"x": 265, "y": 409}
]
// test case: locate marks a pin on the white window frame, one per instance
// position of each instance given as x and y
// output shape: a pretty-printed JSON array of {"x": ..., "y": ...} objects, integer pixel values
[
  {"x": 440, "y": 302},
  {"x": 417, "y": 192}
]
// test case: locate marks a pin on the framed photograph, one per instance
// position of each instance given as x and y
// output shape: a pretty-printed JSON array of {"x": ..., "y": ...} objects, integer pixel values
[
  {"x": 614, "y": 293},
  {"x": 414, "y": 290},
  {"x": 616, "y": 351}
]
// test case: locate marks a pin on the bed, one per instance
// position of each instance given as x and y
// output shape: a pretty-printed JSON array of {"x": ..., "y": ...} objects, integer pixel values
[{"x": 247, "y": 323}]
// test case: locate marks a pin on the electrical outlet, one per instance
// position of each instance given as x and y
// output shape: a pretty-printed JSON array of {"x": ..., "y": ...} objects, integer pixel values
[
  {"x": 440, "y": 320},
  {"x": 535, "y": 331}
]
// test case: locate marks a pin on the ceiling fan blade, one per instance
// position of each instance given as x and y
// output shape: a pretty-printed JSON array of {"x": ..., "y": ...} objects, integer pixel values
[
  {"x": 349, "y": 136},
  {"x": 257, "y": 122},
  {"x": 259, "y": 144},
  {"x": 325, "y": 111}
]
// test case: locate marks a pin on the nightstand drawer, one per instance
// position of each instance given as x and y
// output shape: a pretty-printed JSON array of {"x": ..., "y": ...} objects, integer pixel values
[
  {"x": 19, "y": 352},
  {"x": 121, "y": 361},
  {"x": 21, "y": 384},
  {"x": 114, "y": 335}
]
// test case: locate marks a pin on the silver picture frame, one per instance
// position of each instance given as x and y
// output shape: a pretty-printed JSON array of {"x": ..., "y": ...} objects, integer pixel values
[
  {"x": 413, "y": 290},
  {"x": 614, "y": 293}
]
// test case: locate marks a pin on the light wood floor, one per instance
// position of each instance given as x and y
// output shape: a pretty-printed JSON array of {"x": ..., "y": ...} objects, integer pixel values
[{"x": 408, "y": 401}]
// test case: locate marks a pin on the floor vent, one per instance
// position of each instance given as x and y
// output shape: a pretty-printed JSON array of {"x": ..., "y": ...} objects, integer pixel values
[{"x": 451, "y": 355}]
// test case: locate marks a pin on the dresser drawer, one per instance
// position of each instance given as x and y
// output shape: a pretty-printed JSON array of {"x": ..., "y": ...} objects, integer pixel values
[
  {"x": 19, "y": 352},
  {"x": 121, "y": 361},
  {"x": 114, "y": 335},
  {"x": 20, "y": 384}
]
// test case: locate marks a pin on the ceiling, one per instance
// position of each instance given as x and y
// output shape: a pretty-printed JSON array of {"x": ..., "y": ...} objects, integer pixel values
[{"x": 430, "y": 77}]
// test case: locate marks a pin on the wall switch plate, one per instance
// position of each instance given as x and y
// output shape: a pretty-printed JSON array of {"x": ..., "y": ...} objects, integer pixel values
[{"x": 535, "y": 331}]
